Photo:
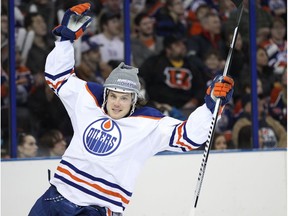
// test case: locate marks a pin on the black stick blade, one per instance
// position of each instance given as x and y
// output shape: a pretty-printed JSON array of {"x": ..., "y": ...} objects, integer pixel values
[{"x": 237, "y": 2}]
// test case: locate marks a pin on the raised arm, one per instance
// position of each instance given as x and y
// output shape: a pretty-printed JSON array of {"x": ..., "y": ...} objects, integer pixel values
[
  {"x": 59, "y": 67},
  {"x": 191, "y": 134}
]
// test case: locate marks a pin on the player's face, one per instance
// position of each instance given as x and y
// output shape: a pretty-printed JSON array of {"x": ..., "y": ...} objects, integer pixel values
[{"x": 118, "y": 104}]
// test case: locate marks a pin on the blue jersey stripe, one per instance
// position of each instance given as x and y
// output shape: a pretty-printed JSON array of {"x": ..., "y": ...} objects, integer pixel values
[
  {"x": 58, "y": 89},
  {"x": 58, "y": 75},
  {"x": 185, "y": 137},
  {"x": 172, "y": 139},
  {"x": 95, "y": 178},
  {"x": 85, "y": 190}
]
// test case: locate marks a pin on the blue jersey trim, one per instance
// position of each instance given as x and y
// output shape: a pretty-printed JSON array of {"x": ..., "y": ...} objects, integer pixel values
[
  {"x": 58, "y": 75},
  {"x": 185, "y": 137},
  {"x": 172, "y": 138},
  {"x": 95, "y": 178},
  {"x": 85, "y": 190},
  {"x": 97, "y": 90},
  {"x": 148, "y": 111}
]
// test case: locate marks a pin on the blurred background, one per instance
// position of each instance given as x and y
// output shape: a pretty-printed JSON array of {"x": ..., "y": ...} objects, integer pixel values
[{"x": 178, "y": 46}]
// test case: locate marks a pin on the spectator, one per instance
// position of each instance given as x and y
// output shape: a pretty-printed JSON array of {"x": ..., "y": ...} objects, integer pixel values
[
  {"x": 4, "y": 108},
  {"x": 210, "y": 38},
  {"x": 246, "y": 89},
  {"x": 245, "y": 138},
  {"x": 240, "y": 59},
  {"x": 4, "y": 30},
  {"x": 194, "y": 19},
  {"x": 44, "y": 7},
  {"x": 264, "y": 73},
  {"x": 173, "y": 80},
  {"x": 168, "y": 110},
  {"x": 219, "y": 142},
  {"x": 145, "y": 43},
  {"x": 212, "y": 65},
  {"x": 170, "y": 18},
  {"x": 276, "y": 46},
  {"x": 41, "y": 46},
  {"x": 263, "y": 20},
  {"x": 195, "y": 4},
  {"x": 27, "y": 146},
  {"x": 52, "y": 144},
  {"x": 278, "y": 101},
  {"x": 47, "y": 112},
  {"x": 24, "y": 86},
  {"x": 278, "y": 8},
  {"x": 112, "y": 6},
  {"x": 225, "y": 9},
  {"x": 89, "y": 68},
  {"x": 112, "y": 47},
  {"x": 272, "y": 132},
  {"x": 4, "y": 37}
]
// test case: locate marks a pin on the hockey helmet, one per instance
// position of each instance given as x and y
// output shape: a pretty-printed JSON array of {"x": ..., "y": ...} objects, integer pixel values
[{"x": 124, "y": 79}]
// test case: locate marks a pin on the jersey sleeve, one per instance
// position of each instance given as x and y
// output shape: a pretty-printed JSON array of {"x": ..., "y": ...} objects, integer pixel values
[
  {"x": 182, "y": 136},
  {"x": 60, "y": 76}
]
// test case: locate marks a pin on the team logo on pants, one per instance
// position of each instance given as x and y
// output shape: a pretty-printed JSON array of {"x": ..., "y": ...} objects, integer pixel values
[{"x": 102, "y": 137}]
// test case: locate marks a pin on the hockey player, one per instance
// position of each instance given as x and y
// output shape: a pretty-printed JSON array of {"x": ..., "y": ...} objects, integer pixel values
[{"x": 113, "y": 134}]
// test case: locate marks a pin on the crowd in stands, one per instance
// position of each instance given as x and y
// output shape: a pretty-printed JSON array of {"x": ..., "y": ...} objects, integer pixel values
[{"x": 178, "y": 46}]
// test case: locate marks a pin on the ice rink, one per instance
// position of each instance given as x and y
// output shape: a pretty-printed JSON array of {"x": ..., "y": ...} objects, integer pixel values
[{"x": 238, "y": 183}]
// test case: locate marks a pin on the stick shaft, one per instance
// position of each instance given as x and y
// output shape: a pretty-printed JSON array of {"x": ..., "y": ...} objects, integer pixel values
[{"x": 214, "y": 120}]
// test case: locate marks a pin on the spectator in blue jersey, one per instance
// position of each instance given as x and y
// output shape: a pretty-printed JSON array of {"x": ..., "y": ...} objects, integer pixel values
[{"x": 114, "y": 132}]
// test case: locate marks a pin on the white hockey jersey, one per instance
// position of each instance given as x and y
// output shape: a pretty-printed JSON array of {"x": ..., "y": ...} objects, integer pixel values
[{"x": 105, "y": 156}]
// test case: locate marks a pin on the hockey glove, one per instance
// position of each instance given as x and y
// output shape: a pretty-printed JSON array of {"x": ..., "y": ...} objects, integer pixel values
[
  {"x": 221, "y": 87},
  {"x": 73, "y": 23}
]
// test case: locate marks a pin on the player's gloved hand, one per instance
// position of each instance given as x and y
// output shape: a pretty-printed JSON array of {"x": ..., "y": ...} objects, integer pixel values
[
  {"x": 221, "y": 87},
  {"x": 73, "y": 23}
]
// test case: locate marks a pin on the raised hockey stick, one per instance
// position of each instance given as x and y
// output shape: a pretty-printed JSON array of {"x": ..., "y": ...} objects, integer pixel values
[{"x": 238, "y": 4}]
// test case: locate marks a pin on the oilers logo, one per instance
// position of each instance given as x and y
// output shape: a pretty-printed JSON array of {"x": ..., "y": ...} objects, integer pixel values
[{"x": 102, "y": 137}]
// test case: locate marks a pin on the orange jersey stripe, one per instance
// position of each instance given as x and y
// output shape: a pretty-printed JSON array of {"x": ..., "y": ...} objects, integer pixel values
[
  {"x": 109, "y": 212},
  {"x": 179, "y": 137},
  {"x": 115, "y": 194},
  {"x": 96, "y": 101},
  {"x": 55, "y": 86},
  {"x": 148, "y": 117}
]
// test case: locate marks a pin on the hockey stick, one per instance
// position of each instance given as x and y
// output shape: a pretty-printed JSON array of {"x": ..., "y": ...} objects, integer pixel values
[{"x": 215, "y": 114}]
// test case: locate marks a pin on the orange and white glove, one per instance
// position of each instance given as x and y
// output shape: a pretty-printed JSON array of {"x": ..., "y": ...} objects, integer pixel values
[
  {"x": 221, "y": 87},
  {"x": 74, "y": 23}
]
